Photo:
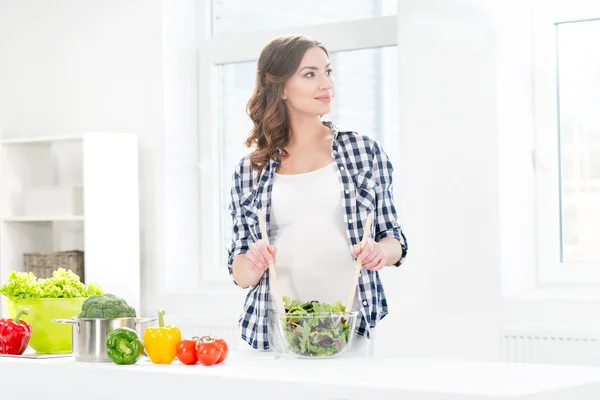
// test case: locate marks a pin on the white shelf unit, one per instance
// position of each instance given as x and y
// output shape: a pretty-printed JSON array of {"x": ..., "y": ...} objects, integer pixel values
[{"x": 105, "y": 167}]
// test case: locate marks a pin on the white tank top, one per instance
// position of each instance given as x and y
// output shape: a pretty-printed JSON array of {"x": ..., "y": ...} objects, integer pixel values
[{"x": 314, "y": 259}]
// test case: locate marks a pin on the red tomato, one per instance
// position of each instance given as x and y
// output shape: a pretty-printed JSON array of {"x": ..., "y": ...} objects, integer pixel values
[
  {"x": 224, "y": 349},
  {"x": 208, "y": 351},
  {"x": 186, "y": 352}
]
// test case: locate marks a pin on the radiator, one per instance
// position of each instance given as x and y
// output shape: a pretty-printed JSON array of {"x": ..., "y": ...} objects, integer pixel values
[{"x": 540, "y": 346}]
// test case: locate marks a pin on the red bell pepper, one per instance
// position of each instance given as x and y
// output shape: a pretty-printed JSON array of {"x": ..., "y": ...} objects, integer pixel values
[{"x": 14, "y": 334}]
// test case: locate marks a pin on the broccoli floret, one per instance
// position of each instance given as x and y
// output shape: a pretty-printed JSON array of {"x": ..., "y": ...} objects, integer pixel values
[{"x": 106, "y": 306}]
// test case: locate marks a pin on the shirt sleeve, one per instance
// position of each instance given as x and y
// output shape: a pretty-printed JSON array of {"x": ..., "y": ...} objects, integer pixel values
[
  {"x": 386, "y": 223},
  {"x": 240, "y": 231}
]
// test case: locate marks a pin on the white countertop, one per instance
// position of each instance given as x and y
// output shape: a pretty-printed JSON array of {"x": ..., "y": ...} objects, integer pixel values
[{"x": 263, "y": 376}]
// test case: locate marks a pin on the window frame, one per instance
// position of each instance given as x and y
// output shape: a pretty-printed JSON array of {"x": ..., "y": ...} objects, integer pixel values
[
  {"x": 550, "y": 270},
  {"x": 223, "y": 49}
]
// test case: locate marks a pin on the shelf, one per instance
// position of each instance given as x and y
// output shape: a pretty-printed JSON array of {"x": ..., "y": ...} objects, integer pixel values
[
  {"x": 102, "y": 221},
  {"x": 41, "y": 140},
  {"x": 44, "y": 219}
]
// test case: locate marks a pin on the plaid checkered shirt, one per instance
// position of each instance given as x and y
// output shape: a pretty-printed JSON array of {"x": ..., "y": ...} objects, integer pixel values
[{"x": 365, "y": 174}]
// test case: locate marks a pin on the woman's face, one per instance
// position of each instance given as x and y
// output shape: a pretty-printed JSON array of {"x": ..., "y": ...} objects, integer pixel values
[{"x": 311, "y": 89}]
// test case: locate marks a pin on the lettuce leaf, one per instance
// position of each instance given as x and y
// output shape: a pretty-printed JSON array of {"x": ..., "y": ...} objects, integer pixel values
[
  {"x": 63, "y": 284},
  {"x": 311, "y": 332},
  {"x": 21, "y": 285}
]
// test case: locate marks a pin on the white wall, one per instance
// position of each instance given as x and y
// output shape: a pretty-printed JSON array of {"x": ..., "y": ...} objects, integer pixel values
[
  {"x": 88, "y": 65},
  {"x": 445, "y": 301}
]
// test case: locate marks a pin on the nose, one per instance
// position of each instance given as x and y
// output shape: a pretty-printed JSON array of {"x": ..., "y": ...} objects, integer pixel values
[{"x": 325, "y": 83}]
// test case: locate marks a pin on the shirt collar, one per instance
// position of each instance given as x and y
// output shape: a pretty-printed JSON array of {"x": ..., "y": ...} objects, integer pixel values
[{"x": 334, "y": 129}]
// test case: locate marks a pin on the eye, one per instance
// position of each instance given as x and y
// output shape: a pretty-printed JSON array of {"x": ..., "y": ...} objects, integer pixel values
[
  {"x": 309, "y": 75},
  {"x": 329, "y": 72}
]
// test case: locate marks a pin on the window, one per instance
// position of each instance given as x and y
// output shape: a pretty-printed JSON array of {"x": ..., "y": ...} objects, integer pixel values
[
  {"x": 239, "y": 16},
  {"x": 579, "y": 140},
  {"x": 568, "y": 148},
  {"x": 365, "y": 71}
]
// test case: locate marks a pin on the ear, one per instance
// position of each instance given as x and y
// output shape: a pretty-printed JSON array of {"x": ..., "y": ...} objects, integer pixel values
[{"x": 284, "y": 96}]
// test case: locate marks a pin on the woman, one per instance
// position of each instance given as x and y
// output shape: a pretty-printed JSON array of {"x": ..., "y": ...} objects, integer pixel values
[{"x": 316, "y": 186}]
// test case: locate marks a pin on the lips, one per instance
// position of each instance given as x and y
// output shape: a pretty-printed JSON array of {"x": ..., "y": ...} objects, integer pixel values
[{"x": 324, "y": 99}]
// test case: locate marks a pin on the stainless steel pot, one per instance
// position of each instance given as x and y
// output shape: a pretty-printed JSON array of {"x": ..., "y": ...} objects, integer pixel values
[{"x": 89, "y": 335}]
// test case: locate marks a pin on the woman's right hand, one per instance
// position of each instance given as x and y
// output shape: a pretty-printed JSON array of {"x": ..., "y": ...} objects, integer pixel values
[{"x": 258, "y": 257}]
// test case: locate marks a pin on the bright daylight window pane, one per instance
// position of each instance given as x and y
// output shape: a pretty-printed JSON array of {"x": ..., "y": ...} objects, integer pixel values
[
  {"x": 366, "y": 102},
  {"x": 231, "y": 16},
  {"x": 579, "y": 123}
]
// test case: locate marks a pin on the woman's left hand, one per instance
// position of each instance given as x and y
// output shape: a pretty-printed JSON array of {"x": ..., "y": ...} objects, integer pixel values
[{"x": 371, "y": 255}]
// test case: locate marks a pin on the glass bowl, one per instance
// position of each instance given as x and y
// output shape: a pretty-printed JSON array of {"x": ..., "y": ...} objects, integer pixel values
[{"x": 317, "y": 335}]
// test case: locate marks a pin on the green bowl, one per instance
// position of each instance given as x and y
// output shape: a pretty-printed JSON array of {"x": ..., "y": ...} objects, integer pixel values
[{"x": 48, "y": 337}]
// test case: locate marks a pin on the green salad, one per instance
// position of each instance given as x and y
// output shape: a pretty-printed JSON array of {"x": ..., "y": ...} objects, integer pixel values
[{"x": 312, "y": 330}]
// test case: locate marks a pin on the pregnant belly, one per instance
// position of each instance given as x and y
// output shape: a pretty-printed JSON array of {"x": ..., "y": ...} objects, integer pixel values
[{"x": 314, "y": 266}]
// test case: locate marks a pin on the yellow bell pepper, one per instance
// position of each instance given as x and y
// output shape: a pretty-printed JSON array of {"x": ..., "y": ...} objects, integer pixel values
[{"x": 161, "y": 343}]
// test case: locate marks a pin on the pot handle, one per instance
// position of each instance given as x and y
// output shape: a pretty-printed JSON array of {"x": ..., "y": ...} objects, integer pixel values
[
  {"x": 63, "y": 321},
  {"x": 67, "y": 321},
  {"x": 142, "y": 320}
]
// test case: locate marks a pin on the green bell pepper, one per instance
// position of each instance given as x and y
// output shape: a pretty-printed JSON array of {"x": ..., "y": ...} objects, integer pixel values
[{"x": 124, "y": 346}]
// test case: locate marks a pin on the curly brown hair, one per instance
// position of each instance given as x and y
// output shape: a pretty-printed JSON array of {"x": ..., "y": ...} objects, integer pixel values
[{"x": 277, "y": 62}]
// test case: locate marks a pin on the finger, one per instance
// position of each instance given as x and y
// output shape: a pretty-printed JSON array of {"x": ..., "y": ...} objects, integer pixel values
[
  {"x": 259, "y": 253},
  {"x": 371, "y": 257},
  {"x": 367, "y": 252},
  {"x": 255, "y": 255},
  {"x": 380, "y": 264},
  {"x": 357, "y": 250},
  {"x": 264, "y": 251},
  {"x": 273, "y": 251},
  {"x": 253, "y": 249},
  {"x": 261, "y": 243},
  {"x": 369, "y": 264},
  {"x": 373, "y": 264},
  {"x": 254, "y": 260},
  {"x": 371, "y": 261},
  {"x": 366, "y": 247},
  {"x": 251, "y": 262}
]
